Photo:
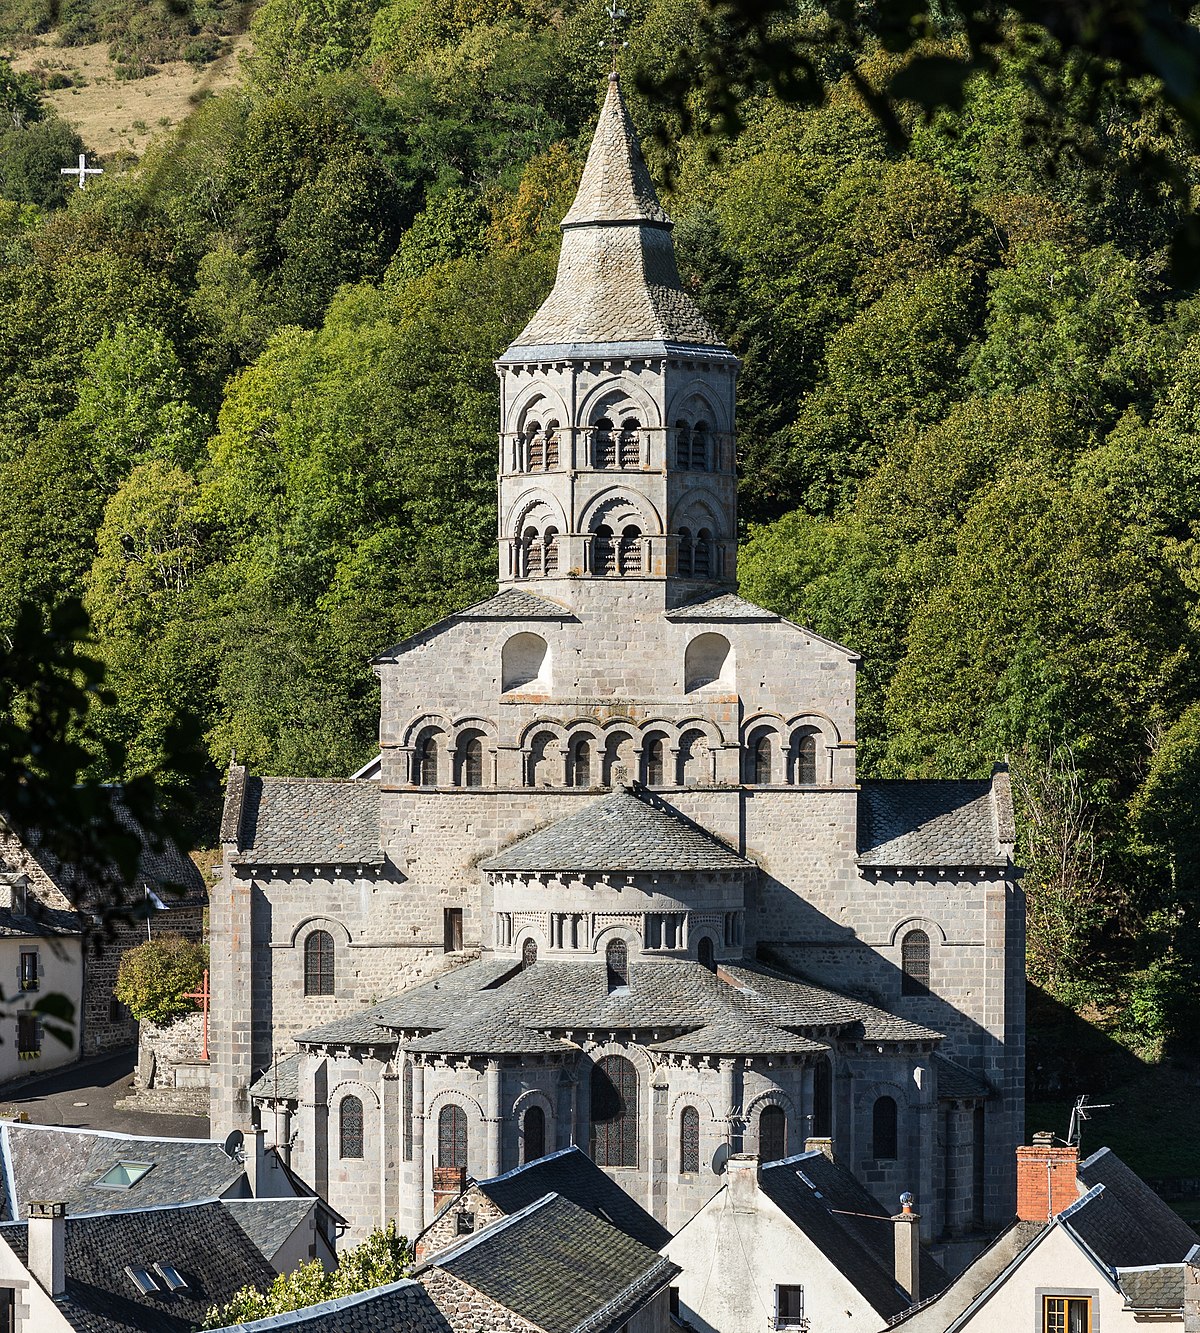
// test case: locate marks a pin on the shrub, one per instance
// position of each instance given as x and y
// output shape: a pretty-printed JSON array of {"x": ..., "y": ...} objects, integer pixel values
[{"x": 154, "y": 978}]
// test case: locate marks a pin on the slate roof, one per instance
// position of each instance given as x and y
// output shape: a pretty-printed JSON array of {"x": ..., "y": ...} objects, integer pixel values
[
  {"x": 825, "y": 1201},
  {"x": 1148, "y": 1290},
  {"x": 400, "y": 1307},
  {"x": 45, "y": 1162},
  {"x": 623, "y": 831},
  {"x": 496, "y": 1006},
  {"x": 617, "y": 279},
  {"x": 954, "y": 1082},
  {"x": 202, "y": 1241},
  {"x": 269, "y": 1222},
  {"x": 572, "y": 1174},
  {"x": 309, "y": 821},
  {"x": 720, "y": 606},
  {"x": 559, "y": 1267},
  {"x": 280, "y": 1079},
  {"x": 1125, "y": 1223},
  {"x": 44, "y": 922},
  {"x": 929, "y": 824},
  {"x": 512, "y": 604}
]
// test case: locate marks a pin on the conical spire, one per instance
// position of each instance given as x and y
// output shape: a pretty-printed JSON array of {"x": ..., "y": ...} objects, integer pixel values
[
  {"x": 617, "y": 278},
  {"x": 616, "y": 185}
]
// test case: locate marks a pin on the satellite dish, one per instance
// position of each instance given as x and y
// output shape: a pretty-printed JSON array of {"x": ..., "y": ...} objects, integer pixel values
[
  {"x": 232, "y": 1147},
  {"x": 720, "y": 1157}
]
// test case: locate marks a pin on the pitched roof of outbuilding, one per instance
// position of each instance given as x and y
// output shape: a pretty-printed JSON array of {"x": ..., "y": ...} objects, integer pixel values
[
  {"x": 1152, "y": 1290},
  {"x": 47, "y": 1162},
  {"x": 904, "y": 823},
  {"x": 200, "y": 1240},
  {"x": 559, "y": 1267},
  {"x": 622, "y": 831},
  {"x": 400, "y": 1307},
  {"x": 847, "y": 1225},
  {"x": 309, "y": 821},
  {"x": 269, "y": 1222},
  {"x": 572, "y": 1174}
]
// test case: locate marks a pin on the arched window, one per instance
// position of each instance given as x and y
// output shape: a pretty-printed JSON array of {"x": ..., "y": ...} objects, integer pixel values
[
  {"x": 708, "y": 660},
  {"x": 604, "y": 551},
  {"x": 614, "y": 1129},
  {"x": 407, "y": 1110},
  {"x": 616, "y": 957},
  {"x": 631, "y": 444},
  {"x": 654, "y": 763},
  {"x": 689, "y": 1140},
  {"x": 822, "y": 1098},
  {"x": 604, "y": 444},
  {"x": 758, "y": 761},
  {"x": 551, "y": 444},
  {"x": 700, "y": 447},
  {"x": 619, "y": 754},
  {"x": 425, "y": 760},
  {"x": 914, "y": 963},
  {"x": 683, "y": 445},
  {"x": 629, "y": 553},
  {"x": 581, "y": 762},
  {"x": 524, "y": 660},
  {"x": 772, "y": 1134},
  {"x": 535, "y": 446},
  {"x": 702, "y": 556},
  {"x": 550, "y": 552},
  {"x": 531, "y": 554},
  {"x": 683, "y": 561},
  {"x": 705, "y": 954},
  {"x": 693, "y": 759},
  {"x": 529, "y": 953},
  {"x": 318, "y": 963},
  {"x": 539, "y": 761},
  {"x": 533, "y": 1126},
  {"x": 350, "y": 1128},
  {"x": 884, "y": 1137},
  {"x": 470, "y": 759},
  {"x": 806, "y": 759},
  {"x": 452, "y": 1136}
]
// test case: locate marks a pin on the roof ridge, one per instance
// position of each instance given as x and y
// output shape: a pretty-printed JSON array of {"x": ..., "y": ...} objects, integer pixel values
[
  {"x": 307, "y": 1312},
  {"x": 526, "y": 1166},
  {"x": 494, "y": 1229}
]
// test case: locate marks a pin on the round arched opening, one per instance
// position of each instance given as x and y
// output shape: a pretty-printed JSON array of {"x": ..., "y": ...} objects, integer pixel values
[
  {"x": 708, "y": 662},
  {"x": 525, "y": 661}
]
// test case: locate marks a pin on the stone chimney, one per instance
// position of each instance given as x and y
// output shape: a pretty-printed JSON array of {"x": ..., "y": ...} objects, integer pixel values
[
  {"x": 820, "y": 1145},
  {"x": 255, "y": 1161},
  {"x": 48, "y": 1246},
  {"x": 907, "y": 1228},
  {"x": 741, "y": 1174},
  {"x": 1047, "y": 1179}
]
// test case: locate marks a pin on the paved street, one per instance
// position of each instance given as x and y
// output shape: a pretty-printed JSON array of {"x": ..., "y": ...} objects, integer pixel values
[{"x": 84, "y": 1097}]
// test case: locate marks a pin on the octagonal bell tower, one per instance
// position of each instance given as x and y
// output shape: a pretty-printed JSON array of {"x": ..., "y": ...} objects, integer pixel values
[{"x": 617, "y": 471}]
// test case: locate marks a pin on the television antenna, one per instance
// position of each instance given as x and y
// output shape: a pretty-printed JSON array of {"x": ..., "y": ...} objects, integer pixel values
[{"x": 1081, "y": 1111}]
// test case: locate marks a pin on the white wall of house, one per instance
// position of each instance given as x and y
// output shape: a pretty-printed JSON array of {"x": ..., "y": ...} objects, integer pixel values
[
  {"x": 60, "y": 971},
  {"x": 35, "y": 1311}
]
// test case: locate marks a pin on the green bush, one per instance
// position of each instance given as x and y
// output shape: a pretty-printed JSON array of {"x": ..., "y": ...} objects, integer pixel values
[{"x": 154, "y": 978}]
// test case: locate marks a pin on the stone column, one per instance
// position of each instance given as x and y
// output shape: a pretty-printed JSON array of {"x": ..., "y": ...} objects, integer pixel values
[
  {"x": 417, "y": 1203},
  {"x": 657, "y": 1133},
  {"x": 564, "y": 1118},
  {"x": 314, "y": 1121},
  {"x": 494, "y": 1118},
  {"x": 283, "y": 1132},
  {"x": 925, "y": 1111},
  {"x": 806, "y": 1102}
]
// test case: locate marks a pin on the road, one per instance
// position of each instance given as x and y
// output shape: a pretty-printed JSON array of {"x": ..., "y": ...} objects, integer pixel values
[{"x": 83, "y": 1097}]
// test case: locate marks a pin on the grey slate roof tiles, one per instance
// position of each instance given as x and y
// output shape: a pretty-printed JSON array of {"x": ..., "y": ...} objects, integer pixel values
[
  {"x": 511, "y": 604},
  {"x": 1126, "y": 1224},
  {"x": 720, "y": 606},
  {"x": 572, "y": 1174},
  {"x": 623, "y": 831},
  {"x": 202, "y": 1241},
  {"x": 953, "y": 1081},
  {"x": 400, "y": 1307},
  {"x": 279, "y": 1080},
  {"x": 45, "y": 1162},
  {"x": 269, "y": 1222},
  {"x": 1152, "y": 1289},
  {"x": 309, "y": 821},
  {"x": 928, "y": 824},
  {"x": 557, "y": 1266}
]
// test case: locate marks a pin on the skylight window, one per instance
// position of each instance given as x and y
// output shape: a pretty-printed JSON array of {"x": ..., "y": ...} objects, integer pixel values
[
  {"x": 124, "y": 1176},
  {"x": 175, "y": 1281},
  {"x": 141, "y": 1280}
]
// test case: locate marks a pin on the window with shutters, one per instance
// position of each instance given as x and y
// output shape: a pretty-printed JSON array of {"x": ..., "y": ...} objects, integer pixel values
[
  {"x": 631, "y": 443},
  {"x": 29, "y": 1036},
  {"x": 29, "y": 969},
  {"x": 683, "y": 445},
  {"x": 884, "y": 1130},
  {"x": 689, "y": 1140},
  {"x": 616, "y": 956},
  {"x": 318, "y": 963},
  {"x": 683, "y": 561},
  {"x": 629, "y": 554},
  {"x": 789, "y": 1307},
  {"x": 700, "y": 447},
  {"x": 552, "y": 444},
  {"x": 614, "y": 1112},
  {"x": 350, "y": 1129},
  {"x": 604, "y": 444},
  {"x": 772, "y": 1134},
  {"x": 533, "y": 1127},
  {"x": 604, "y": 551},
  {"x": 452, "y": 1136},
  {"x": 914, "y": 963},
  {"x": 702, "y": 555},
  {"x": 550, "y": 551},
  {"x": 407, "y": 1111}
]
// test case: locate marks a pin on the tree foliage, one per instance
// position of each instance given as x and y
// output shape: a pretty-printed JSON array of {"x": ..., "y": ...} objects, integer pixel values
[{"x": 153, "y": 979}]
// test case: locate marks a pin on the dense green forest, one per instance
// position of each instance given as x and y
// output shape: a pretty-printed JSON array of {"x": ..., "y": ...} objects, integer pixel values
[{"x": 248, "y": 410}]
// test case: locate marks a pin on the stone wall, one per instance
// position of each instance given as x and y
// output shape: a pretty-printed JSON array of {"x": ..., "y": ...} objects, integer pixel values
[{"x": 467, "y": 1310}]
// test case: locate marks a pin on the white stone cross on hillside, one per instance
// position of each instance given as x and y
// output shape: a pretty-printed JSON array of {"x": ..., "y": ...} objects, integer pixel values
[{"x": 83, "y": 171}]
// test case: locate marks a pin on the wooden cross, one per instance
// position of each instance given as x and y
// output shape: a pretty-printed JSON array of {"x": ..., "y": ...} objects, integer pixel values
[
  {"x": 83, "y": 171},
  {"x": 203, "y": 995}
]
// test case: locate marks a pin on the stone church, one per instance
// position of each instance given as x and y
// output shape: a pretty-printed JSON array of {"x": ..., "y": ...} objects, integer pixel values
[{"x": 613, "y": 880}]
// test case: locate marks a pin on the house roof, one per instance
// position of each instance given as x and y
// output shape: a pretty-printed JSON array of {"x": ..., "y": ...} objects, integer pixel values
[
  {"x": 496, "y": 1006},
  {"x": 308, "y": 821},
  {"x": 201, "y": 1240},
  {"x": 573, "y": 1175},
  {"x": 269, "y": 1222},
  {"x": 42, "y": 922},
  {"x": 400, "y": 1307},
  {"x": 932, "y": 824},
  {"x": 559, "y": 1267},
  {"x": 626, "y": 830},
  {"x": 1152, "y": 1290},
  {"x": 847, "y": 1225},
  {"x": 46, "y": 1162},
  {"x": 1124, "y": 1223}
]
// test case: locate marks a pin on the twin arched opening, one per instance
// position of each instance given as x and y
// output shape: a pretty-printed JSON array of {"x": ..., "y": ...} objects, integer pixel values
[{"x": 767, "y": 759}]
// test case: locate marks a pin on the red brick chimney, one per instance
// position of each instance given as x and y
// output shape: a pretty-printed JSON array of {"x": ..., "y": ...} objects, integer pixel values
[{"x": 1046, "y": 1179}]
